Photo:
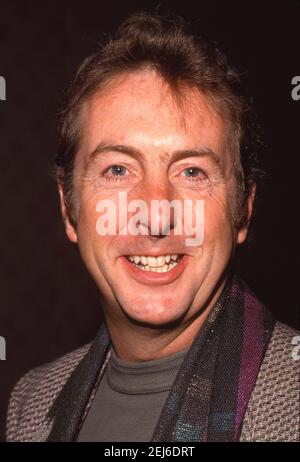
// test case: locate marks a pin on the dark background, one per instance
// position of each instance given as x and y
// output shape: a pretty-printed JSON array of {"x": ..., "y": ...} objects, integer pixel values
[{"x": 49, "y": 305}]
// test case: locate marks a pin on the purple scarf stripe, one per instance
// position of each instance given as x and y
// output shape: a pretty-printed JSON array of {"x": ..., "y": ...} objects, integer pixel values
[{"x": 252, "y": 353}]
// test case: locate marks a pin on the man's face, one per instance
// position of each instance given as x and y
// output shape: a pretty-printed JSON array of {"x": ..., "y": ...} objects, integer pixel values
[{"x": 138, "y": 140}]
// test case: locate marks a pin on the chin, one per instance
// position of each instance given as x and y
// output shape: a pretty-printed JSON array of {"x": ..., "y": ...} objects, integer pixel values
[{"x": 158, "y": 314}]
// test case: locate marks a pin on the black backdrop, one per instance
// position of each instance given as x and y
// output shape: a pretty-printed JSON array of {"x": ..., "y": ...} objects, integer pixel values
[{"x": 49, "y": 305}]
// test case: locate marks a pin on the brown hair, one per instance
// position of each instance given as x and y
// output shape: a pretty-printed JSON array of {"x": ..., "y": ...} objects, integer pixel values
[{"x": 180, "y": 57}]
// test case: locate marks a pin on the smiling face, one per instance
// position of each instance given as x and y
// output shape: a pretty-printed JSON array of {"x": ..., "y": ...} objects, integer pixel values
[{"x": 137, "y": 139}]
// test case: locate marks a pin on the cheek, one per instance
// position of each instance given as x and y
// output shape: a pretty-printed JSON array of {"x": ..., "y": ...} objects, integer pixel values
[
  {"x": 87, "y": 221},
  {"x": 89, "y": 241},
  {"x": 88, "y": 213},
  {"x": 95, "y": 248},
  {"x": 217, "y": 221}
]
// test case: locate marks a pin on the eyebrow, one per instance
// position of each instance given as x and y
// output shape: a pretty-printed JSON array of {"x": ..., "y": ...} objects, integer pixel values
[{"x": 202, "y": 151}]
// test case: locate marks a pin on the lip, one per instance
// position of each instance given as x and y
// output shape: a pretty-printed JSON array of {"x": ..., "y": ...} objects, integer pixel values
[{"x": 153, "y": 278}]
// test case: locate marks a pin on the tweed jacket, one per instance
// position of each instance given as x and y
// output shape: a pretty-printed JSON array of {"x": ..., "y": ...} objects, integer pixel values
[{"x": 272, "y": 412}]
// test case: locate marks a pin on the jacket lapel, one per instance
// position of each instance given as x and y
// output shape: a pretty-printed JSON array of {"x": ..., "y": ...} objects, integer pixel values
[{"x": 72, "y": 404}]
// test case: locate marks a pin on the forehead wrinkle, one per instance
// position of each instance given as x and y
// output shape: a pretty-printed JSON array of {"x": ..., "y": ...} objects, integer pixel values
[
  {"x": 164, "y": 157},
  {"x": 202, "y": 151},
  {"x": 104, "y": 147}
]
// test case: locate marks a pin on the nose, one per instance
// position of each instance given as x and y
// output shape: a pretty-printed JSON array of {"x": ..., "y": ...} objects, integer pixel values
[{"x": 158, "y": 196}]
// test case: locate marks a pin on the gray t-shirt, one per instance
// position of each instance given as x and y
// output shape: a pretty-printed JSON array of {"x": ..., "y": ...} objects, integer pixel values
[{"x": 129, "y": 399}]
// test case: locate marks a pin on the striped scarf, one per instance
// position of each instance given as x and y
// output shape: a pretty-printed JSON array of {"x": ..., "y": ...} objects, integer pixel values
[{"x": 210, "y": 394}]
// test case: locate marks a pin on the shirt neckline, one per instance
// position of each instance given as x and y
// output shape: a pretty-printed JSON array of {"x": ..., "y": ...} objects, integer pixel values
[{"x": 143, "y": 377}]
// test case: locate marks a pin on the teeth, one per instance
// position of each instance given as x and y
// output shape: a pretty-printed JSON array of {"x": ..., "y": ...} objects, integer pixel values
[
  {"x": 161, "y": 260},
  {"x": 144, "y": 260},
  {"x": 159, "y": 264},
  {"x": 152, "y": 261}
]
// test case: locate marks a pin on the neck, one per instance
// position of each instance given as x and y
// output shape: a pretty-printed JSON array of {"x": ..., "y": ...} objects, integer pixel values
[{"x": 135, "y": 343}]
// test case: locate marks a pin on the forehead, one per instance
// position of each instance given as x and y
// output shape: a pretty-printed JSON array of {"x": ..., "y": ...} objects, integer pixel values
[{"x": 140, "y": 109}]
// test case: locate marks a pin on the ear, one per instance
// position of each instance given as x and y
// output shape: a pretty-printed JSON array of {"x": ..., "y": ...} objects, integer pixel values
[
  {"x": 70, "y": 230},
  {"x": 243, "y": 231}
]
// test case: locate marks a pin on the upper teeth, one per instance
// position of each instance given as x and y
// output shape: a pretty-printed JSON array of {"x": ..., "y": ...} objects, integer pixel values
[{"x": 154, "y": 262}]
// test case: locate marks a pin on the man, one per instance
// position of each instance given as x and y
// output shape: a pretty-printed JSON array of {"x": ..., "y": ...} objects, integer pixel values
[{"x": 187, "y": 352}]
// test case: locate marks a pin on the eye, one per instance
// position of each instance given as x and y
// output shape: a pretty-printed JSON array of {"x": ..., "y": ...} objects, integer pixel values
[
  {"x": 118, "y": 170},
  {"x": 114, "y": 172},
  {"x": 191, "y": 171},
  {"x": 195, "y": 174}
]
